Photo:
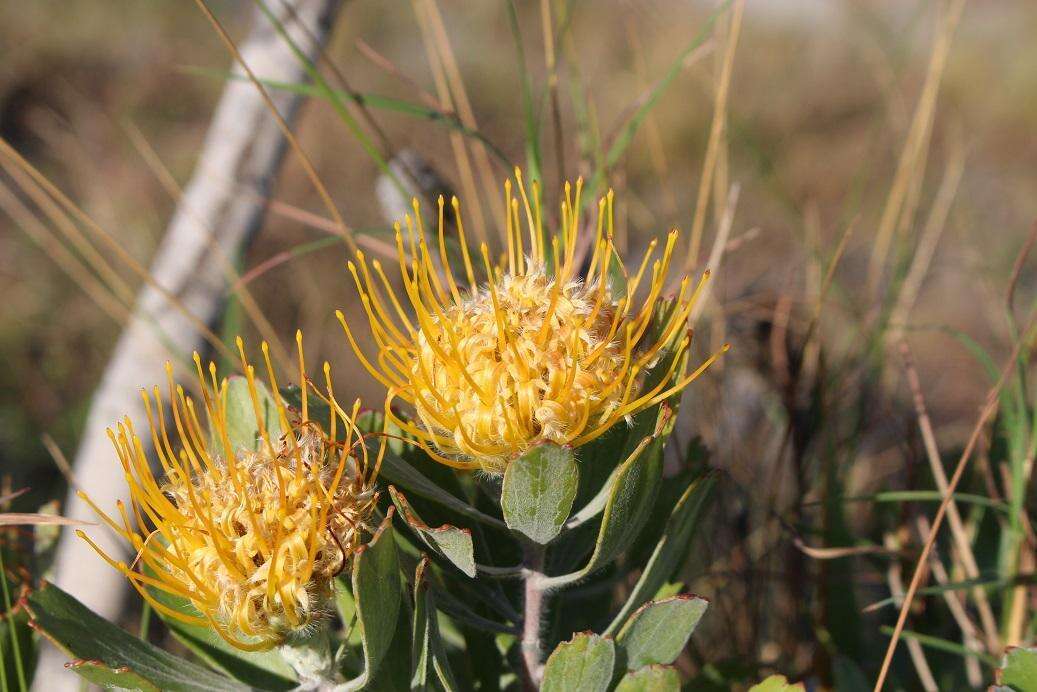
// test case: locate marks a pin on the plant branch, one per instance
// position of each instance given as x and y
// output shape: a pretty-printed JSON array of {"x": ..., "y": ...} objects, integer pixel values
[{"x": 532, "y": 615}]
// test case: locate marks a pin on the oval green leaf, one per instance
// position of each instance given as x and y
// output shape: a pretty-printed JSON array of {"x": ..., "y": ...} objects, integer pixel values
[
  {"x": 651, "y": 679},
  {"x": 658, "y": 632},
  {"x": 1019, "y": 671},
  {"x": 582, "y": 664},
  {"x": 538, "y": 491}
]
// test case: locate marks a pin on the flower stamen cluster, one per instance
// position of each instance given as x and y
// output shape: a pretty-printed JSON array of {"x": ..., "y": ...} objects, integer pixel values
[
  {"x": 529, "y": 350},
  {"x": 252, "y": 538}
]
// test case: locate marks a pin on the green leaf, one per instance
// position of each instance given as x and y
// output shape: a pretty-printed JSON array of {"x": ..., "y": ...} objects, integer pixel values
[
  {"x": 582, "y": 664},
  {"x": 260, "y": 670},
  {"x": 538, "y": 491},
  {"x": 377, "y": 592},
  {"x": 631, "y": 496},
  {"x": 428, "y": 657},
  {"x": 776, "y": 683},
  {"x": 651, "y": 679},
  {"x": 449, "y": 541},
  {"x": 117, "y": 679},
  {"x": 397, "y": 471},
  {"x": 670, "y": 550},
  {"x": 242, "y": 424},
  {"x": 1018, "y": 670},
  {"x": 658, "y": 632},
  {"x": 109, "y": 656}
]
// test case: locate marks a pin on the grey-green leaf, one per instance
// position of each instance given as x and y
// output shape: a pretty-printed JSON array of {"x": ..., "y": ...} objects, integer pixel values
[
  {"x": 582, "y": 664},
  {"x": 428, "y": 656},
  {"x": 110, "y": 656},
  {"x": 396, "y": 470},
  {"x": 260, "y": 670},
  {"x": 242, "y": 424},
  {"x": 538, "y": 491},
  {"x": 377, "y": 593},
  {"x": 654, "y": 678},
  {"x": 451, "y": 542},
  {"x": 631, "y": 497},
  {"x": 776, "y": 683},
  {"x": 658, "y": 632},
  {"x": 671, "y": 548},
  {"x": 1019, "y": 670}
]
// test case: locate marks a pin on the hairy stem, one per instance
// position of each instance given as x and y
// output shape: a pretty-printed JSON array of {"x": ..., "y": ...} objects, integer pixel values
[
  {"x": 312, "y": 661},
  {"x": 533, "y": 611}
]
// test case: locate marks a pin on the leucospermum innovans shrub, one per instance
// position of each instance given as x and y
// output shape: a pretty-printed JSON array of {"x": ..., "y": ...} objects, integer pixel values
[
  {"x": 250, "y": 531},
  {"x": 528, "y": 348}
]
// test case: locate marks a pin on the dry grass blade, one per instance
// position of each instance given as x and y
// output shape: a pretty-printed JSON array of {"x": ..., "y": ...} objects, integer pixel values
[
  {"x": 956, "y": 606},
  {"x": 717, "y": 253},
  {"x": 911, "y": 164},
  {"x": 840, "y": 552},
  {"x": 29, "y": 519},
  {"x": 248, "y": 302},
  {"x": 304, "y": 159},
  {"x": 40, "y": 234},
  {"x": 895, "y": 579},
  {"x": 988, "y": 410},
  {"x": 715, "y": 134},
  {"x": 961, "y": 537},
  {"x": 35, "y": 181},
  {"x": 441, "y": 63},
  {"x": 11, "y": 496},
  {"x": 931, "y": 234}
]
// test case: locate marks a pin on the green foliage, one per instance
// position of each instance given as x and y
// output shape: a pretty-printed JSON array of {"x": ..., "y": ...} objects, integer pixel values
[
  {"x": 654, "y": 678},
  {"x": 242, "y": 422},
  {"x": 109, "y": 656},
  {"x": 448, "y": 541},
  {"x": 261, "y": 670},
  {"x": 658, "y": 631},
  {"x": 585, "y": 664},
  {"x": 376, "y": 588},
  {"x": 428, "y": 653},
  {"x": 1018, "y": 671},
  {"x": 538, "y": 492},
  {"x": 776, "y": 683}
]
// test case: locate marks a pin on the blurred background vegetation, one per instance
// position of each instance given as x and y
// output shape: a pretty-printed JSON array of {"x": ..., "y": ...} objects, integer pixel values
[{"x": 810, "y": 416}]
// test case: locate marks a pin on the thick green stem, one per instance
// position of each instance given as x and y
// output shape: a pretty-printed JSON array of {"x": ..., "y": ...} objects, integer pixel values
[{"x": 533, "y": 612}]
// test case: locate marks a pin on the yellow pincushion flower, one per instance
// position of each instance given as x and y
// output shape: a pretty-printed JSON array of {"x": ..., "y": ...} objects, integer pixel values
[
  {"x": 535, "y": 352},
  {"x": 253, "y": 539}
]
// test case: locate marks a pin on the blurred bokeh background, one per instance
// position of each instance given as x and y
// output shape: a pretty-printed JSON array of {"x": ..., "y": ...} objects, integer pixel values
[{"x": 811, "y": 404}]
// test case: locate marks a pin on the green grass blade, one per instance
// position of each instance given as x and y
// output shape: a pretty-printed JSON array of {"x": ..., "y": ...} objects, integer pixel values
[
  {"x": 332, "y": 96},
  {"x": 945, "y": 645},
  {"x": 376, "y": 101},
  {"x": 15, "y": 645}
]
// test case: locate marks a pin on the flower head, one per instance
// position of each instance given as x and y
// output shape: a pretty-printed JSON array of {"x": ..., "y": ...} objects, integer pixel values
[
  {"x": 252, "y": 538},
  {"x": 529, "y": 350}
]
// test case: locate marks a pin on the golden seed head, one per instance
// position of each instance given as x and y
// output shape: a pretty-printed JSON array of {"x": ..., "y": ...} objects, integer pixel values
[
  {"x": 530, "y": 348},
  {"x": 251, "y": 535}
]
